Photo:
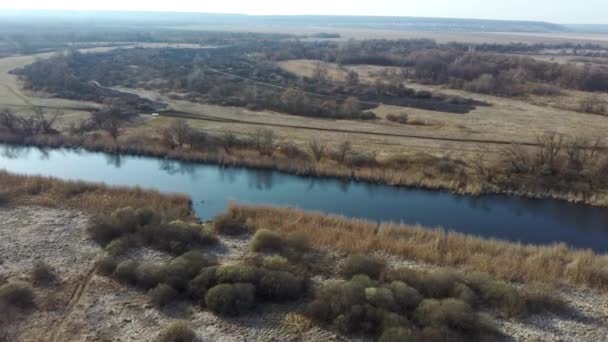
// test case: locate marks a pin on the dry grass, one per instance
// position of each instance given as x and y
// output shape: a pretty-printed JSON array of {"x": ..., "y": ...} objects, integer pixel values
[
  {"x": 92, "y": 198},
  {"x": 554, "y": 265}
]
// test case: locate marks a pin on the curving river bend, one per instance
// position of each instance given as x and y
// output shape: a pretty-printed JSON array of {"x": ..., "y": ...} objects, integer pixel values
[{"x": 212, "y": 187}]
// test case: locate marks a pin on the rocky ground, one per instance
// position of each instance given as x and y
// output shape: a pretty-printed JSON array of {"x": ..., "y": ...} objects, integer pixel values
[{"x": 88, "y": 307}]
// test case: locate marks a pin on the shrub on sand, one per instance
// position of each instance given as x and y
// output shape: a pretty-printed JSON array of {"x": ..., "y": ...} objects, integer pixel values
[
  {"x": 362, "y": 264},
  {"x": 16, "y": 294},
  {"x": 177, "y": 332},
  {"x": 230, "y": 299},
  {"x": 162, "y": 295},
  {"x": 43, "y": 274}
]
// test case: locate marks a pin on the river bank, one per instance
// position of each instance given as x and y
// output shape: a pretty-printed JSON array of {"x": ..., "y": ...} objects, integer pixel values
[{"x": 420, "y": 171}]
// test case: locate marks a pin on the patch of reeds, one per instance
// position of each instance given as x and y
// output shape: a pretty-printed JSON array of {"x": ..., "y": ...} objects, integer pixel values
[
  {"x": 553, "y": 265},
  {"x": 93, "y": 198}
]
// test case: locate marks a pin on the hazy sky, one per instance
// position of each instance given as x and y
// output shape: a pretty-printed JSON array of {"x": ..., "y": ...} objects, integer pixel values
[{"x": 561, "y": 11}]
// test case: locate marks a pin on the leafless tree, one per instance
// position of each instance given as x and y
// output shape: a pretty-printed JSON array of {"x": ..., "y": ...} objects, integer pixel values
[
  {"x": 178, "y": 134},
  {"x": 45, "y": 125},
  {"x": 550, "y": 145},
  {"x": 265, "y": 141},
  {"x": 317, "y": 148},
  {"x": 352, "y": 78},
  {"x": 343, "y": 150},
  {"x": 8, "y": 120}
]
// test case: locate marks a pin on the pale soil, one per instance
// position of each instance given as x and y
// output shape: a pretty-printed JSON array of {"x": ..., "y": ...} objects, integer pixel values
[{"x": 104, "y": 310}]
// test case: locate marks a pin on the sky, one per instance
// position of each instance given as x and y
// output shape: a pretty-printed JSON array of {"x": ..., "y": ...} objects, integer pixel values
[{"x": 557, "y": 11}]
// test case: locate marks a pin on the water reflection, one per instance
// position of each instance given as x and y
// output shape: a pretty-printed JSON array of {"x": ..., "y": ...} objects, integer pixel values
[{"x": 15, "y": 152}]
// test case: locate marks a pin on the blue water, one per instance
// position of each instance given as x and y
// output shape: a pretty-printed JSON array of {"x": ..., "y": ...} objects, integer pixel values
[{"x": 212, "y": 187}]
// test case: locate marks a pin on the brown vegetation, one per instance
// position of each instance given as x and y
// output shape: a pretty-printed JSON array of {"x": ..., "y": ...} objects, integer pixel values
[
  {"x": 508, "y": 261},
  {"x": 94, "y": 198}
]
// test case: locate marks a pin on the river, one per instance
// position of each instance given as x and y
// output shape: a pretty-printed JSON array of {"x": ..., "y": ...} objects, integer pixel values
[{"x": 212, "y": 187}]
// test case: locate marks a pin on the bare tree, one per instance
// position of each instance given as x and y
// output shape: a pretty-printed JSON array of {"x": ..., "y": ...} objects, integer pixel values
[
  {"x": 352, "y": 78},
  {"x": 320, "y": 72},
  {"x": 343, "y": 150},
  {"x": 45, "y": 125},
  {"x": 177, "y": 134},
  {"x": 550, "y": 146},
  {"x": 317, "y": 148},
  {"x": 265, "y": 141},
  {"x": 8, "y": 120},
  {"x": 517, "y": 158}
]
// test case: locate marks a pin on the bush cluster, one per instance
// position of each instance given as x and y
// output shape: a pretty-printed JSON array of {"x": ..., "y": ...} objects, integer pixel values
[
  {"x": 362, "y": 264},
  {"x": 393, "y": 310},
  {"x": 292, "y": 247},
  {"x": 406, "y": 304},
  {"x": 128, "y": 227},
  {"x": 269, "y": 285}
]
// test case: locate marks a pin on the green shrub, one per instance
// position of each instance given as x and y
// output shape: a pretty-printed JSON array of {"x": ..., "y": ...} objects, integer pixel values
[
  {"x": 274, "y": 262},
  {"x": 380, "y": 297},
  {"x": 119, "y": 246},
  {"x": 147, "y": 216},
  {"x": 278, "y": 286},
  {"x": 178, "y": 237},
  {"x": 16, "y": 294},
  {"x": 463, "y": 292},
  {"x": 107, "y": 266},
  {"x": 406, "y": 297},
  {"x": 162, "y": 295},
  {"x": 398, "y": 335},
  {"x": 230, "y": 299},
  {"x": 450, "y": 312},
  {"x": 435, "y": 284},
  {"x": 392, "y": 320},
  {"x": 126, "y": 218},
  {"x": 335, "y": 298},
  {"x": 229, "y": 224},
  {"x": 205, "y": 280},
  {"x": 177, "y": 332},
  {"x": 362, "y": 264},
  {"x": 499, "y": 294},
  {"x": 298, "y": 242},
  {"x": 540, "y": 299},
  {"x": 126, "y": 272},
  {"x": 103, "y": 229},
  {"x": 149, "y": 275},
  {"x": 43, "y": 274},
  {"x": 238, "y": 274},
  {"x": 266, "y": 241}
]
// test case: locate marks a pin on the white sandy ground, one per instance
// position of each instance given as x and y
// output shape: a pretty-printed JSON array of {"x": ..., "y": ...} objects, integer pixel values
[{"x": 88, "y": 307}]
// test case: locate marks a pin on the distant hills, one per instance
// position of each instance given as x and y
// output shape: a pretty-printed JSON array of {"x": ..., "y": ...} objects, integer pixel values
[{"x": 158, "y": 19}]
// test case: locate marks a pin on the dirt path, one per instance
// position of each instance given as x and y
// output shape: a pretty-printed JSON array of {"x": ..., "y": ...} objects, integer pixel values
[{"x": 74, "y": 300}]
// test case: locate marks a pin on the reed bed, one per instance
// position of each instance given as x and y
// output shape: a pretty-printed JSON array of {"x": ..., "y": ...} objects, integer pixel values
[
  {"x": 88, "y": 197},
  {"x": 553, "y": 265}
]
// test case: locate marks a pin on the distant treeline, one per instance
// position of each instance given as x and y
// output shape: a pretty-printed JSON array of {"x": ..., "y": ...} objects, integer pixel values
[
  {"x": 238, "y": 75},
  {"x": 480, "y": 68}
]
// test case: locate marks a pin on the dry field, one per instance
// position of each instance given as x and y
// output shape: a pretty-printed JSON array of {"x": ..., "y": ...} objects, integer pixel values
[{"x": 460, "y": 136}]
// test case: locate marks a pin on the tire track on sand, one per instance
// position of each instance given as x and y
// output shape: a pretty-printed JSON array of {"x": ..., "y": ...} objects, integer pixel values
[{"x": 74, "y": 300}]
